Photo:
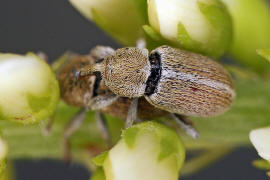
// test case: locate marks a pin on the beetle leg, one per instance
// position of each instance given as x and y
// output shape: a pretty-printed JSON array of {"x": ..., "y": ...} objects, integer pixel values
[
  {"x": 132, "y": 113},
  {"x": 72, "y": 126},
  {"x": 100, "y": 52},
  {"x": 103, "y": 127},
  {"x": 186, "y": 125},
  {"x": 101, "y": 101},
  {"x": 48, "y": 127}
]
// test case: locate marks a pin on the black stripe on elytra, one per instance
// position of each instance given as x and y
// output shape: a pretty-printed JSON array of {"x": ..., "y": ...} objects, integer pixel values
[
  {"x": 97, "y": 83},
  {"x": 153, "y": 79}
]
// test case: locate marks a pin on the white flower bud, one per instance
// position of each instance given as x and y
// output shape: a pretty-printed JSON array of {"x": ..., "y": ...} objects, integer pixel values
[
  {"x": 29, "y": 90},
  {"x": 260, "y": 138},
  {"x": 198, "y": 25},
  {"x": 146, "y": 151}
]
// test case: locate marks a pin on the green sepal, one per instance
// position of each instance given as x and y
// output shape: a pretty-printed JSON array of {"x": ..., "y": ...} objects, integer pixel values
[
  {"x": 216, "y": 13},
  {"x": 99, "y": 159},
  {"x": 153, "y": 34},
  {"x": 129, "y": 136},
  {"x": 186, "y": 41}
]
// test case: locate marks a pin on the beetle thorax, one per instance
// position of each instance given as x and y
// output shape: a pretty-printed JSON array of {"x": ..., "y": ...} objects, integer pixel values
[{"x": 126, "y": 71}]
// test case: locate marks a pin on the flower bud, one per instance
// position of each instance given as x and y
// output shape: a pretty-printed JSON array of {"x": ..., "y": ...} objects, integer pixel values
[
  {"x": 251, "y": 22},
  {"x": 203, "y": 26},
  {"x": 29, "y": 90},
  {"x": 121, "y": 19},
  {"x": 260, "y": 139},
  {"x": 146, "y": 151}
]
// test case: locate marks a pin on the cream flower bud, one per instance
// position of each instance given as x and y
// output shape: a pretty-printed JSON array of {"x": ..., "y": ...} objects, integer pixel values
[
  {"x": 146, "y": 151},
  {"x": 260, "y": 138},
  {"x": 200, "y": 25},
  {"x": 29, "y": 90}
]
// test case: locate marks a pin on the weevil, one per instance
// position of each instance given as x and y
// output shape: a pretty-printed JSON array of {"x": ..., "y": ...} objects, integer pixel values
[
  {"x": 85, "y": 91},
  {"x": 171, "y": 79}
]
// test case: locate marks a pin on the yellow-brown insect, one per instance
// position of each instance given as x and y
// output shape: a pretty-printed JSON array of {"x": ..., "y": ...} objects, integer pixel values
[{"x": 170, "y": 79}]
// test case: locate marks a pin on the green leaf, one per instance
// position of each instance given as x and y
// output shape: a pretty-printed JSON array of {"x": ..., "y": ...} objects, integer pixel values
[{"x": 99, "y": 159}]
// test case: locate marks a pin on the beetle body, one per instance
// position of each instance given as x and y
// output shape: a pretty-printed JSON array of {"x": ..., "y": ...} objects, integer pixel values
[{"x": 170, "y": 79}]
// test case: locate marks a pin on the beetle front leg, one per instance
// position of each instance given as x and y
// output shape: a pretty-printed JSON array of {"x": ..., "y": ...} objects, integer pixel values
[
  {"x": 101, "y": 101},
  {"x": 72, "y": 126},
  {"x": 103, "y": 127},
  {"x": 132, "y": 113},
  {"x": 186, "y": 125},
  {"x": 48, "y": 127}
]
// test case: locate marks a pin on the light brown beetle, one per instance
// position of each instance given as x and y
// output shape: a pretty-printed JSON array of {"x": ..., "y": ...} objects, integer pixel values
[{"x": 170, "y": 79}]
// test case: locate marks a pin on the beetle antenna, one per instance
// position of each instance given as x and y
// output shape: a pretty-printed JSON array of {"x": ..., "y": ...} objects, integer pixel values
[
  {"x": 88, "y": 70},
  {"x": 84, "y": 71}
]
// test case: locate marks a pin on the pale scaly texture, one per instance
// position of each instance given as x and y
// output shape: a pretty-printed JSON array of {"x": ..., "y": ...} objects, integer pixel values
[
  {"x": 126, "y": 71},
  {"x": 29, "y": 91},
  {"x": 260, "y": 138},
  {"x": 191, "y": 84}
]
